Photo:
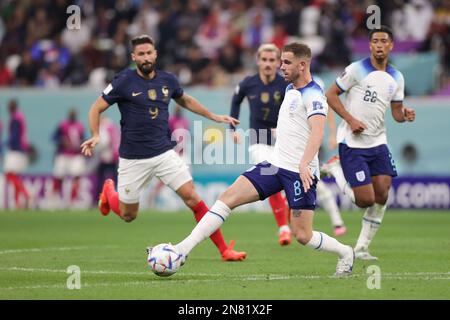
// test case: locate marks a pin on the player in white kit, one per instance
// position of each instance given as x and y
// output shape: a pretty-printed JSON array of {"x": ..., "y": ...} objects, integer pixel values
[
  {"x": 293, "y": 167},
  {"x": 366, "y": 166}
]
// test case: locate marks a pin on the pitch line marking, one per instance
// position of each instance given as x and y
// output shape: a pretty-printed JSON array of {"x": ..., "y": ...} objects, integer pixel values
[
  {"x": 28, "y": 250},
  {"x": 249, "y": 276},
  {"x": 147, "y": 283},
  {"x": 218, "y": 277}
]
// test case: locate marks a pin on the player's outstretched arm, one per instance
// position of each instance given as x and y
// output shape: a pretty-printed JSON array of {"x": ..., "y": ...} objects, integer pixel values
[
  {"x": 317, "y": 124},
  {"x": 335, "y": 103},
  {"x": 100, "y": 105},
  {"x": 332, "y": 143},
  {"x": 401, "y": 114},
  {"x": 235, "y": 109},
  {"x": 190, "y": 103}
]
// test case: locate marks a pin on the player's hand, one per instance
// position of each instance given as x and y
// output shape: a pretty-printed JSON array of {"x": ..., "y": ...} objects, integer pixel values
[
  {"x": 357, "y": 126},
  {"x": 236, "y": 137},
  {"x": 306, "y": 177},
  {"x": 226, "y": 119},
  {"x": 410, "y": 114},
  {"x": 88, "y": 146}
]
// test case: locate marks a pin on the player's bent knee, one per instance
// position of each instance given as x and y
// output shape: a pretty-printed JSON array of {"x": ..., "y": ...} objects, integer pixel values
[
  {"x": 365, "y": 202},
  {"x": 302, "y": 236},
  {"x": 382, "y": 199},
  {"x": 227, "y": 198}
]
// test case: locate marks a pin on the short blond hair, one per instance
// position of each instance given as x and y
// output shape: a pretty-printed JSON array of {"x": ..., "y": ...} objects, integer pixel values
[{"x": 269, "y": 47}]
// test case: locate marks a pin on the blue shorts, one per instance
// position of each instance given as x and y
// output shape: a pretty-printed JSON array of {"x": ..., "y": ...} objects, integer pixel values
[
  {"x": 269, "y": 180},
  {"x": 359, "y": 164}
]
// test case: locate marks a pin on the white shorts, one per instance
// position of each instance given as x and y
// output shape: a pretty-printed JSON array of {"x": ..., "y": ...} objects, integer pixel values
[
  {"x": 135, "y": 175},
  {"x": 15, "y": 161},
  {"x": 259, "y": 152},
  {"x": 69, "y": 165}
]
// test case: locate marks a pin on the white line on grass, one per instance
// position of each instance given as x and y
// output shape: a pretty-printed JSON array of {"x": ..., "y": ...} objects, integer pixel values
[
  {"x": 111, "y": 272},
  {"x": 41, "y": 249},
  {"x": 83, "y": 285},
  {"x": 28, "y": 250},
  {"x": 249, "y": 276},
  {"x": 245, "y": 277},
  {"x": 156, "y": 281}
]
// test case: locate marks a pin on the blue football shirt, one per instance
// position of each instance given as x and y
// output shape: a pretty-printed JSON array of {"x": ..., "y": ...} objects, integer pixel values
[
  {"x": 264, "y": 100},
  {"x": 144, "y": 109}
]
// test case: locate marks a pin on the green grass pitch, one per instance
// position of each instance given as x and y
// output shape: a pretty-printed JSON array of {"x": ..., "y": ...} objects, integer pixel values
[{"x": 36, "y": 248}]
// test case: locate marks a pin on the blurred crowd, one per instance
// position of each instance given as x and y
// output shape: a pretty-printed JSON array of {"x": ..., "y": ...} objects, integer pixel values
[{"x": 202, "y": 41}]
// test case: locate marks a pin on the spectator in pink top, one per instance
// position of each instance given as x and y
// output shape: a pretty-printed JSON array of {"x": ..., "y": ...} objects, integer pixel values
[{"x": 69, "y": 162}]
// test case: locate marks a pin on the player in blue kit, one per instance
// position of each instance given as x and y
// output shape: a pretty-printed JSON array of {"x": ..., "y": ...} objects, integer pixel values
[
  {"x": 145, "y": 151},
  {"x": 292, "y": 167},
  {"x": 372, "y": 86},
  {"x": 264, "y": 92}
]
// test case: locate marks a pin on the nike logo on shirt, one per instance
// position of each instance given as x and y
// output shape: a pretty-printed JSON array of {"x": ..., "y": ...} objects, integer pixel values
[{"x": 134, "y": 94}]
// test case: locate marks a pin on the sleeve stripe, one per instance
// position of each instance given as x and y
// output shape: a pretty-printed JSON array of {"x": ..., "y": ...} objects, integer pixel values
[
  {"x": 340, "y": 88},
  {"x": 316, "y": 114},
  {"x": 396, "y": 101},
  {"x": 107, "y": 99}
]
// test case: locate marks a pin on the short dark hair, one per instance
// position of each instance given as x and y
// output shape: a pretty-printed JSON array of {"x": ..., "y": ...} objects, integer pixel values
[
  {"x": 141, "y": 39},
  {"x": 300, "y": 50},
  {"x": 384, "y": 29}
]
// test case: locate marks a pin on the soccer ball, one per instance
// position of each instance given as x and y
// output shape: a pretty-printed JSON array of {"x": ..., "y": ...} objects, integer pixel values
[{"x": 164, "y": 260}]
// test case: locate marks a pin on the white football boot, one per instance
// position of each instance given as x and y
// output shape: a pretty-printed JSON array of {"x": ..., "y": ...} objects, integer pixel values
[
  {"x": 344, "y": 265},
  {"x": 362, "y": 253}
]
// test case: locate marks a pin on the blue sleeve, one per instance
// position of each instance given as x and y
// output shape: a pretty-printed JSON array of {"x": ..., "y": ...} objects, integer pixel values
[
  {"x": 238, "y": 97},
  {"x": 113, "y": 92},
  {"x": 177, "y": 89}
]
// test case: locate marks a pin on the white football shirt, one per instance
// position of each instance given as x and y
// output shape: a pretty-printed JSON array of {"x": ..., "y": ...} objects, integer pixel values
[
  {"x": 369, "y": 92},
  {"x": 293, "y": 129}
]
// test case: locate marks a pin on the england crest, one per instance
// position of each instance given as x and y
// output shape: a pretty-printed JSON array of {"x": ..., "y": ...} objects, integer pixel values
[{"x": 360, "y": 176}]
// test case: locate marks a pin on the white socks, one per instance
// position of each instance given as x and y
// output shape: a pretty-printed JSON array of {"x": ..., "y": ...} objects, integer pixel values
[
  {"x": 326, "y": 199},
  {"x": 371, "y": 222},
  {"x": 323, "y": 242},
  {"x": 338, "y": 175},
  {"x": 210, "y": 222}
]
